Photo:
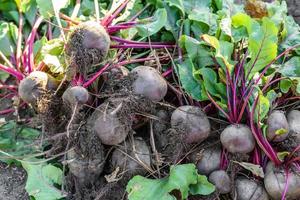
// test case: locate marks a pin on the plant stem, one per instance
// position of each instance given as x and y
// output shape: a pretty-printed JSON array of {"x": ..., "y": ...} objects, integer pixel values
[
  {"x": 76, "y": 9},
  {"x": 89, "y": 82},
  {"x": 67, "y": 18},
  {"x": 19, "y": 42},
  {"x": 140, "y": 46},
  {"x": 110, "y": 17},
  {"x": 12, "y": 72},
  {"x": 121, "y": 40},
  {"x": 219, "y": 108},
  {"x": 168, "y": 72},
  {"x": 261, "y": 141}
]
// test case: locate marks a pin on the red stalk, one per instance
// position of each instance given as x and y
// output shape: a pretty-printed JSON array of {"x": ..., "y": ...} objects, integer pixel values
[
  {"x": 168, "y": 72},
  {"x": 89, "y": 82},
  {"x": 261, "y": 141},
  {"x": 140, "y": 46},
  {"x": 121, "y": 40},
  {"x": 12, "y": 72},
  {"x": 286, "y": 170},
  {"x": 219, "y": 108},
  {"x": 139, "y": 60}
]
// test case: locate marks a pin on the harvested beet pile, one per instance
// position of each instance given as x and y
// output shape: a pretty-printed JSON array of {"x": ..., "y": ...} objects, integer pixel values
[{"x": 146, "y": 100}]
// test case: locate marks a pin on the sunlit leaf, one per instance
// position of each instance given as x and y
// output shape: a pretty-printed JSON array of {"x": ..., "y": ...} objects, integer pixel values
[{"x": 182, "y": 177}]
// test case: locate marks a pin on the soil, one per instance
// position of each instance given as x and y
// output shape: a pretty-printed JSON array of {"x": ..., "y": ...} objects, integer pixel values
[{"x": 12, "y": 183}]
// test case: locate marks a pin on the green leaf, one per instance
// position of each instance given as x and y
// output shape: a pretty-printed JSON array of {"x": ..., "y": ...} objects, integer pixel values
[
  {"x": 281, "y": 131},
  {"x": 223, "y": 51},
  {"x": 16, "y": 140},
  {"x": 182, "y": 177},
  {"x": 203, "y": 187},
  {"x": 285, "y": 85},
  {"x": 152, "y": 25},
  {"x": 262, "y": 41},
  {"x": 196, "y": 51},
  {"x": 291, "y": 70},
  {"x": 48, "y": 8},
  {"x": 191, "y": 6},
  {"x": 41, "y": 179},
  {"x": 262, "y": 108},
  {"x": 211, "y": 83},
  {"x": 52, "y": 55},
  {"x": 23, "y": 5},
  {"x": 6, "y": 43},
  {"x": 191, "y": 85},
  {"x": 204, "y": 15},
  {"x": 281, "y": 155},
  {"x": 292, "y": 33}
]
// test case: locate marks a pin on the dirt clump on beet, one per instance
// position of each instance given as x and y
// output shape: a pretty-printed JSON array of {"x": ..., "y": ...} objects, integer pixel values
[
  {"x": 278, "y": 126},
  {"x": 35, "y": 85},
  {"x": 237, "y": 138},
  {"x": 87, "y": 45},
  {"x": 275, "y": 182},
  {"x": 247, "y": 189}
]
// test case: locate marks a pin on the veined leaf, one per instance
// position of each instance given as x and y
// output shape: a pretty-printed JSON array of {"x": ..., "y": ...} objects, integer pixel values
[
  {"x": 182, "y": 177},
  {"x": 223, "y": 50},
  {"x": 262, "y": 108},
  {"x": 41, "y": 179},
  {"x": 48, "y": 8},
  {"x": 291, "y": 70},
  {"x": 196, "y": 51},
  {"x": 191, "y": 85},
  {"x": 156, "y": 22},
  {"x": 262, "y": 41}
]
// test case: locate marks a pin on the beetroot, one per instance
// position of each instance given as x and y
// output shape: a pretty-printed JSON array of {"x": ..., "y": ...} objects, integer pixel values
[
  {"x": 278, "y": 127},
  {"x": 35, "y": 85},
  {"x": 132, "y": 157},
  {"x": 191, "y": 122},
  {"x": 85, "y": 169},
  {"x": 149, "y": 83},
  {"x": 249, "y": 190},
  {"x": 275, "y": 180},
  {"x": 111, "y": 128},
  {"x": 237, "y": 138},
  {"x": 221, "y": 180},
  {"x": 75, "y": 95},
  {"x": 207, "y": 161},
  {"x": 293, "y": 118},
  {"x": 87, "y": 45}
]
